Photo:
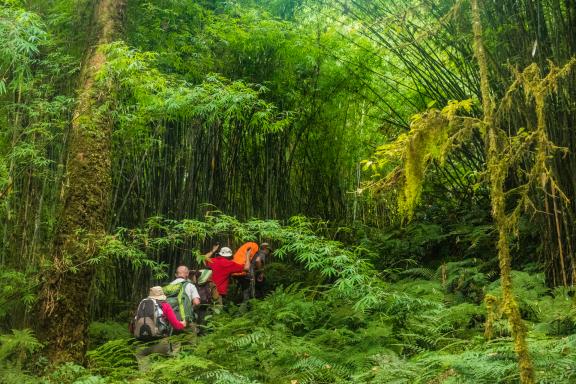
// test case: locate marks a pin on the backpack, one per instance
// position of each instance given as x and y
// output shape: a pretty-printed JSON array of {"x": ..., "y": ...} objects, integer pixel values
[
  {"x": 240, "y": 256},
  {"x": 148, "y": 322},
  {"x": 202, "y": 279},
  {"x": 179, "y": 301}
]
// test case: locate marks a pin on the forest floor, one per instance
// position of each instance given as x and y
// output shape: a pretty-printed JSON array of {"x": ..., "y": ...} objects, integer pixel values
[{"x": 429, "y": 328}]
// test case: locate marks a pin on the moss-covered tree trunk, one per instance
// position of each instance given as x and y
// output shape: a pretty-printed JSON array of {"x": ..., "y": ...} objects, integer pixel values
[
  {"x": 85, "y": 205},
  {"x": 497, "y": 174}
]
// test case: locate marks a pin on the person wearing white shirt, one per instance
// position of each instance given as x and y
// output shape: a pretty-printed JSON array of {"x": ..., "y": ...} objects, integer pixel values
[{"x": 190, "y": 289}]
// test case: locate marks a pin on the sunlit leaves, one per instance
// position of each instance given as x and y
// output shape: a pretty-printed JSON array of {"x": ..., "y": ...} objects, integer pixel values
[
  {"x": 114, "y": 249},
  {"x": 148, "y": 96},
  {"x": 21, "y": 35},
  {"x": 454, "y": 106},
  {"x": 432, "y": 136}
]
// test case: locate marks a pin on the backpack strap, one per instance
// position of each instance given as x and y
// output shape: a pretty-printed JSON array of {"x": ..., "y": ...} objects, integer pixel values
[
  {"x": 162, "y": 319},
  {"x": 181, "y": 299},
  {"x": 182, "y": 295}
]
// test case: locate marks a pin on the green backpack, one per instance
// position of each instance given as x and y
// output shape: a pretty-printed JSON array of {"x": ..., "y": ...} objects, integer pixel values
[{"x": 179, "y": 300}]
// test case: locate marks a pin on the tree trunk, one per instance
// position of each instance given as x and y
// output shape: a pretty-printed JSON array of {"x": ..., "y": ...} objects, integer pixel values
[
  {"x": 85, "y": 205},
  {"x": 497, "y": 174}
]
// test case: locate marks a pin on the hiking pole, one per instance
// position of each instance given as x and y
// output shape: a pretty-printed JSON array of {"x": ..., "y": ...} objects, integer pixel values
[
  {"x": 170, "y": 340},
  {"x": 252, "y": 282},
  {"x": 252, "y": 287}
]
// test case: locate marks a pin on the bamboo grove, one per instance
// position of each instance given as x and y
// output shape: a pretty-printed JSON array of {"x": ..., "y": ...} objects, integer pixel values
[{"x": 411, "y": 160}]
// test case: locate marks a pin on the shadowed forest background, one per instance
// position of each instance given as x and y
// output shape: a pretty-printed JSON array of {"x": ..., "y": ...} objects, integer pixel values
[{"x": 410, "y": 162}]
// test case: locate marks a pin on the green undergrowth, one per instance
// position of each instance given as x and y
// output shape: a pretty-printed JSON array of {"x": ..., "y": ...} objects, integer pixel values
[
  {"x": 332, "y": 317},
  {"x": 424, "y": 331}
]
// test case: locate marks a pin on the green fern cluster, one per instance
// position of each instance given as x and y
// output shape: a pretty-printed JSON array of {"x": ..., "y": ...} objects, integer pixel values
[
  {"x": 101, "y": 332},
  {"x": 419, "y": 332},
  {"x": 71, "y": 373},
  {"x": 115, "y": 358},
  {"x": 427, "y": 329},
  {"x": 15, "y": 352},
  {"x": 17, "y": 294}
]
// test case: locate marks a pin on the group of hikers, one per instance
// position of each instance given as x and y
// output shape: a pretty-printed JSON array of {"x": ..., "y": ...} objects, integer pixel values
[{"x": 184, "y": 303}]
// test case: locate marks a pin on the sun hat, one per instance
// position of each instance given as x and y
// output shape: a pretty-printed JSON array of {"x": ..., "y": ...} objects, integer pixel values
[
  {"x": 225, "y": 251},
  {"x": 157, "y": 293}
]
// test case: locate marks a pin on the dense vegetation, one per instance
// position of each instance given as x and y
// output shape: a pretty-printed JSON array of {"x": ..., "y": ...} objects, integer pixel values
[{"x": 411, "y": 163}]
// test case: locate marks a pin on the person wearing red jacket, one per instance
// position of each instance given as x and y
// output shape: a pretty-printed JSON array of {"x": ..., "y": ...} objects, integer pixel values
[
  {"x": 222, "y": 267},
  {"x": 163, "y": 346},
  {"x": 157, "y": 293}
]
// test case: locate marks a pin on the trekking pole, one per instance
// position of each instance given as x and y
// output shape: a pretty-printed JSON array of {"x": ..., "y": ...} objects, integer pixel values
[
  {"x": 170, "y": 340},
  {"x": 252, "y": 282}
]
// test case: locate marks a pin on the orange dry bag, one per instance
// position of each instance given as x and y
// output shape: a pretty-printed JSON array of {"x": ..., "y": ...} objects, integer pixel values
[{"x": 240, "y": 255}]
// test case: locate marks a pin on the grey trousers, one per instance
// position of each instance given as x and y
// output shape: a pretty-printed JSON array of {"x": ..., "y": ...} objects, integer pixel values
[{"x": 162, "y": 347}]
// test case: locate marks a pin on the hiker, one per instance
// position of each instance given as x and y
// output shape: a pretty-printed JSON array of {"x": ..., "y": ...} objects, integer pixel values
[
  {"x": 182, "y": 295},
  {"x": 202, "y": 279},
  {"x": 252, "y": 283},
  {"x": 154, "y": 320},
  {"x": 222, "y": 267},
  {"x": 258, "y": 267}
]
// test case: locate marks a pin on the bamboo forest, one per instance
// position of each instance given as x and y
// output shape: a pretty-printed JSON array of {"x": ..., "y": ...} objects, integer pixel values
[{"x": 287, "y": 191}]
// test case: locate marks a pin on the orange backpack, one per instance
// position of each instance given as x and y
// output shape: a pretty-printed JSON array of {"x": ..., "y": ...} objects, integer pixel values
[{"x": 240, "y": 255}]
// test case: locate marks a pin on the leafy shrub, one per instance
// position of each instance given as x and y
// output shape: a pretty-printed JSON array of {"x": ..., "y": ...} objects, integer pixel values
[
  {"x": 17, "y": 293},
  {"x": 101, "y": 332},
  {"x": 15, "y": 352},
  {"x": 115, "y": 358},
  {"x": 70, "y": 373},
  {"x": 556, "y": 313},
  {"x": 528, "y": 288},
  {"x": 18, "y": 346}
]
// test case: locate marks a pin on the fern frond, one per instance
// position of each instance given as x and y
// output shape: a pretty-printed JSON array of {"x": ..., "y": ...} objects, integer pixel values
[{"x": 18, "y": 345}]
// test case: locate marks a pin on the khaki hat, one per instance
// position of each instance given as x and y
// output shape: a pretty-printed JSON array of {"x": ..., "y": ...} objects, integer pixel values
[
  {"x": 157, "y": 293},
  {"x": 225, "y": 251}
]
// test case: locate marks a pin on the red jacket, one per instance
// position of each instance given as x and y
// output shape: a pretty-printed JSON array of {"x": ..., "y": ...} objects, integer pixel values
[
  {"x": 222, "y": 268},
  {"x": 170, "y": 315}
]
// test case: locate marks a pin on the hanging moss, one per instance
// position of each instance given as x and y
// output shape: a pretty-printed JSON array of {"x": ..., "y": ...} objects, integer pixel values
[
  {"x": 432, "y": 136},
  {"x": 497, "y": 174},
  {"x": 428, "y": 137},
  {"x": 491, "y": 303}
]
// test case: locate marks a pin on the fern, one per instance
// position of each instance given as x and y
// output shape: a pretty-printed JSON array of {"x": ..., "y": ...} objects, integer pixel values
[
  {"x": 18, "y": 346},
  {"x": 221, "y": 376},
  {"x": 14, "y": 375},
  {"x": 70, "y": 373},
  {"x": 315, "y": 335},
  {"x": 15, "y": 351},
  {"x": 115, "y": 358},
  {"x": 101, "y": 332},
  {"x": 316, "y": 370},
  {"x": 18, "y": 289},
  {"x": 184, "y": 368},
  {"x": 256, "y": 338}
]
